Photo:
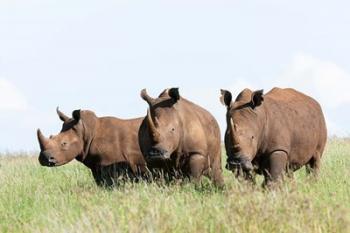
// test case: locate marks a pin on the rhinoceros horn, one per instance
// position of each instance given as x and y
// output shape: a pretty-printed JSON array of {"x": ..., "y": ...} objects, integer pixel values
[
  {"x": 42, "y": 140},
  {"x": 234, "y": 137},
  {"x": 146, "y": 97},
  {"x": 152, "y": 126},
  {"x": 61, "y": 115}
]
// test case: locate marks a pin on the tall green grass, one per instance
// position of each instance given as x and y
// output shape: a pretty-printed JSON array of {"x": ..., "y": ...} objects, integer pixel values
[{"x": 66, "y": 199}]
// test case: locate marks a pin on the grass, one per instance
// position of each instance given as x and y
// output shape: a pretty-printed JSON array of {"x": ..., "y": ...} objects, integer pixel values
[{"x": 66, "y": 199}]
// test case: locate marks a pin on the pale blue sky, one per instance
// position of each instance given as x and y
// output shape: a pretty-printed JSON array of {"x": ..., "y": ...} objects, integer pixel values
[{"x": 98, "y": 55}]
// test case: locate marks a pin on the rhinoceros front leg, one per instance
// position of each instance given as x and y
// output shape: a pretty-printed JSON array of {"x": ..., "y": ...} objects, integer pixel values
[
  {"x": 101, "y": 178},
  {"x": 197, "y": 164},
  {"x": 276, "y": 165}
]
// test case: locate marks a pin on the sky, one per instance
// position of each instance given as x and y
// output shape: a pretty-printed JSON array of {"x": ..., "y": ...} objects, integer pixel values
[{"x": 98, "y": 55}]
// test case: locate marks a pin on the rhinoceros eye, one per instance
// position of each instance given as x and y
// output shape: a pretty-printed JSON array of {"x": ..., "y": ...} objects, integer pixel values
[{"x": 63, "y": 144}]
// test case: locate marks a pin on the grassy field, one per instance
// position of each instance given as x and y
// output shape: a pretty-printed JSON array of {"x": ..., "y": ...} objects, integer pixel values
[{"x": 65, "y": 199}]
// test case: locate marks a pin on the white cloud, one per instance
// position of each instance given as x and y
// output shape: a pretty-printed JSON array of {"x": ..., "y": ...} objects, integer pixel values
[
  {"x": 324, "y": 80},
  {"x": 11, "y": 99}
]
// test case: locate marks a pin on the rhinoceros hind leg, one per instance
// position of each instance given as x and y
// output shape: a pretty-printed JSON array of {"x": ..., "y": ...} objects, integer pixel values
[
  {"x": 216, "y": 173},
  {"x": 314, "y": 164}
]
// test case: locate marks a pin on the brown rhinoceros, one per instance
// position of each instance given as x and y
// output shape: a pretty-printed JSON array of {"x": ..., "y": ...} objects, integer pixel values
[
  {"x": 280, "y": 131},
  {"x": 107, "y": 145},
  {"x": 183, "y": 135}
]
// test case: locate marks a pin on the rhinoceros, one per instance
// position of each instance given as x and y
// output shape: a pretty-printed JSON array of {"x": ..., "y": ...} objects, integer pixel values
[
  {"x": 273, "y": 133},
  {"x": 183, "y": 134},
  {"x": 107, "y": 145}
]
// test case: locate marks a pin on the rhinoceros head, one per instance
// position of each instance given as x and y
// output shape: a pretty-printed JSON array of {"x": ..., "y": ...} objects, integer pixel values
[
  {"x": 245, "y": 124},
  {"x": 68, "y": 144},
  {"x": 163, "y": 123}
]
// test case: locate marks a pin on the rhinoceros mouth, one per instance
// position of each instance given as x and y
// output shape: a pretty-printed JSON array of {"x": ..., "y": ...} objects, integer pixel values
[
  {"x": 47, "y": 162},
  {"x": 157, "y": 157},
  {"x": 156, "y": 154},
  {"x": 235, "y": 164}
]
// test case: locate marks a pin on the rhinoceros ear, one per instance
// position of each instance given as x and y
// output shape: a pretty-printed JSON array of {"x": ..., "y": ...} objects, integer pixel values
[
  {"x": 226, "y": 98},
  {"x": 174, "y": 94},
  {"x": 76, "y": 115},
  {"x": 257, "y": 98},
  {"x": 144, "y": 95}
]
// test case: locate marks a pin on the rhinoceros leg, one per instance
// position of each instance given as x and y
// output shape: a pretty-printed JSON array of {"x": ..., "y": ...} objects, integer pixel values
[
  {"x": 197, "y": 164},
  {"x": 277, "y": 163},
  {"x": 314, "y": 164},
  {"x": 216, "y": 173}
]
